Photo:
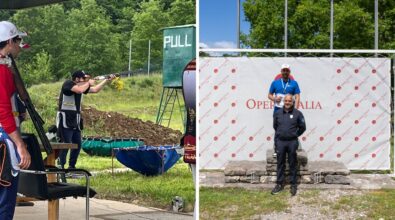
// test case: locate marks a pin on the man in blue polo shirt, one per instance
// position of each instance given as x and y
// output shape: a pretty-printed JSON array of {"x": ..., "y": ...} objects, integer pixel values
[
  {"x": 285, "y": 85},
  {"x": 279, "y": 88}
]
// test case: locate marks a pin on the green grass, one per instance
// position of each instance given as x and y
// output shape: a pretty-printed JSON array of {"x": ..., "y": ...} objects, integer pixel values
[
  {"x": 235, "y": 203},
  {"x": 379, "y": 204},
  {"x": 157, "y": 191},
  {"x": 96, "y": 163}
]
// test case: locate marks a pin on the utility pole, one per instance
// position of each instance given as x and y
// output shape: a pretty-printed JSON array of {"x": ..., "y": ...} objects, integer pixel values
[
  {"x": 130, "y": 56},
  {"x": 238, "y": 24},
  {"x": 149, "y": 55},
  {"x": 331, "y": 31},
  {"x": 376, "y": 25},
  {"x": 286, "y": 26}
]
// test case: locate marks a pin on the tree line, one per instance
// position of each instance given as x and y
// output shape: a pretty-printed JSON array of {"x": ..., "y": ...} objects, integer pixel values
[
  {"x": 94, "y": 35},
  {"x": 309, "y": 24}
]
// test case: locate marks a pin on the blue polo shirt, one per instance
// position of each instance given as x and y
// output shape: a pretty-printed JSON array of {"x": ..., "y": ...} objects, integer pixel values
[{"x": 279, "y": 87}]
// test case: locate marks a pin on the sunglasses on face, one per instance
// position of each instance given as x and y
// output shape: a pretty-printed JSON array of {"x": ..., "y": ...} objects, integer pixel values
[{"x": 21, "y": 44}]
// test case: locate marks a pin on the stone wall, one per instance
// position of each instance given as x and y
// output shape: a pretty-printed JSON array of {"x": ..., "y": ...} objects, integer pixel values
[{"x": 329, "y": 172}]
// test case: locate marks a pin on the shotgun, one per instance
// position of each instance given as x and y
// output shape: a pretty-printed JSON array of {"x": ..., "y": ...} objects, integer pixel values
[
  {"x": 24, "y": 95},
  {"x": 106, "y": 76}
]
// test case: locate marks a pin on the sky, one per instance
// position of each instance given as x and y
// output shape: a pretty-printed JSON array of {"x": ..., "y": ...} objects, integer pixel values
[{"x": 218, "y": 23}]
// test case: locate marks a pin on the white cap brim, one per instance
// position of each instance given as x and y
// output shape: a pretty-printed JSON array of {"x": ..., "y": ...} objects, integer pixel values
[
  {"x": 20, "y": 34},
  {"x": 285, "y": 66}
]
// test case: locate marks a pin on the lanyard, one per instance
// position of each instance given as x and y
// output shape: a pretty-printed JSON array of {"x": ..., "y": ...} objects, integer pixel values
[{"x": 286, "y": 85}]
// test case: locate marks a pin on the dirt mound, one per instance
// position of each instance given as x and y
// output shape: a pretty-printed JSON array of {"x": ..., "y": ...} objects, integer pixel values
[{"x": 116, "y": 125}]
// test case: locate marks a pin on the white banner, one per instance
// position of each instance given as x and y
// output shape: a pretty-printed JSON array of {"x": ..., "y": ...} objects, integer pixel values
[{"x": 345, "y": 101}]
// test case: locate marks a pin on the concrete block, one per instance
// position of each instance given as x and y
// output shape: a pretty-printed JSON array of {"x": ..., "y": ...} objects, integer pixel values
[
  {"x": 273, "y": 168},
  {"x": 250, "y": 179},
  {"x": 274, "y": 173},
  {"x": 328, "y": 168},
  {"x": 232, "y": 179},
  {"x": 257, "y": 168},
  {"x": 301, "y": 155},
  {"x": 269, "y": 156},
  {"x": 306, "y": 179},
  {"x": 268, "y": 179},
  {"x": 237, "y": 168},
  {"x": 337, "y": 179}
]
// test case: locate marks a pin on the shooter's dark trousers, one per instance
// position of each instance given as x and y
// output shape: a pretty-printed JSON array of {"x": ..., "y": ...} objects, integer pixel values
[
  {"x": 284, "y": 148},
  {"x": 70, "y": 136}
]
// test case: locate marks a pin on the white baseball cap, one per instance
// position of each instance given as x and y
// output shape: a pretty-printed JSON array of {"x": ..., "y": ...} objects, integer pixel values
[
  {"x": 8, "y": 31},
  {"x": 285, "y": 66}
]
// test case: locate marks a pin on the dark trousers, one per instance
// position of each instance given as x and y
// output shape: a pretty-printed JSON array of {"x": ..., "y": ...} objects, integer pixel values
[
  {"x": 70, "y": 136},
  {"x": 8, "y": 200},
  {"x": 275, "y": 135},
  {"x": 283, "y": 148}
]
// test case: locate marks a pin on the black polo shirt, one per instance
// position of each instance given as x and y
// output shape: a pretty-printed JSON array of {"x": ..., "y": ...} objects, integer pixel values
[{"x": 71, "y": 116}]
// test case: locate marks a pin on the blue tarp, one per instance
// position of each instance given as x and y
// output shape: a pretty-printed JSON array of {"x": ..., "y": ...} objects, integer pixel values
[{"x": 148, "y": 160}]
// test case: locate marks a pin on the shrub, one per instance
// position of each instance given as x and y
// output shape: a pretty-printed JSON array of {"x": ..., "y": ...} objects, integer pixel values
[{"x": 146, "y": 83}]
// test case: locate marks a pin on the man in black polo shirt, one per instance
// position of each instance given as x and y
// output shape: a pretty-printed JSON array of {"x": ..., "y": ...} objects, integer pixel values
[{"x": 289, "y": 124}]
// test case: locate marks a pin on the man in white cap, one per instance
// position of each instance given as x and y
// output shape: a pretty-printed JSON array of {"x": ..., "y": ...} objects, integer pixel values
[
  {"x": 282, "y": 86},
  {"x": 16, "y": 157},
  {"x": 279, "y": 88}
]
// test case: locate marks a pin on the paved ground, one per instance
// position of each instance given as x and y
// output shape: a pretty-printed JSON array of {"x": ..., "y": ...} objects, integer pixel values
[
  {"x": 358, "y": 181},
  {"x": 74, "y": 209}
]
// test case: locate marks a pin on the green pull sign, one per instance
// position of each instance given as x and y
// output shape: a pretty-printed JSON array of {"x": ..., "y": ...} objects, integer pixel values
[
  {"x": 177, "y": 41},
  {"x": 179, "y": 48}
]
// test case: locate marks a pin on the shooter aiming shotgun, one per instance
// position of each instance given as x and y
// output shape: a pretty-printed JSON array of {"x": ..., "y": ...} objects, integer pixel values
[{"x": 68, "y": 118}]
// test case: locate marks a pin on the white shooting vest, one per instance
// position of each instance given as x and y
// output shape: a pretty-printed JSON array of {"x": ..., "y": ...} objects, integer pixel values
[{"x": 68, "y": 104}]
